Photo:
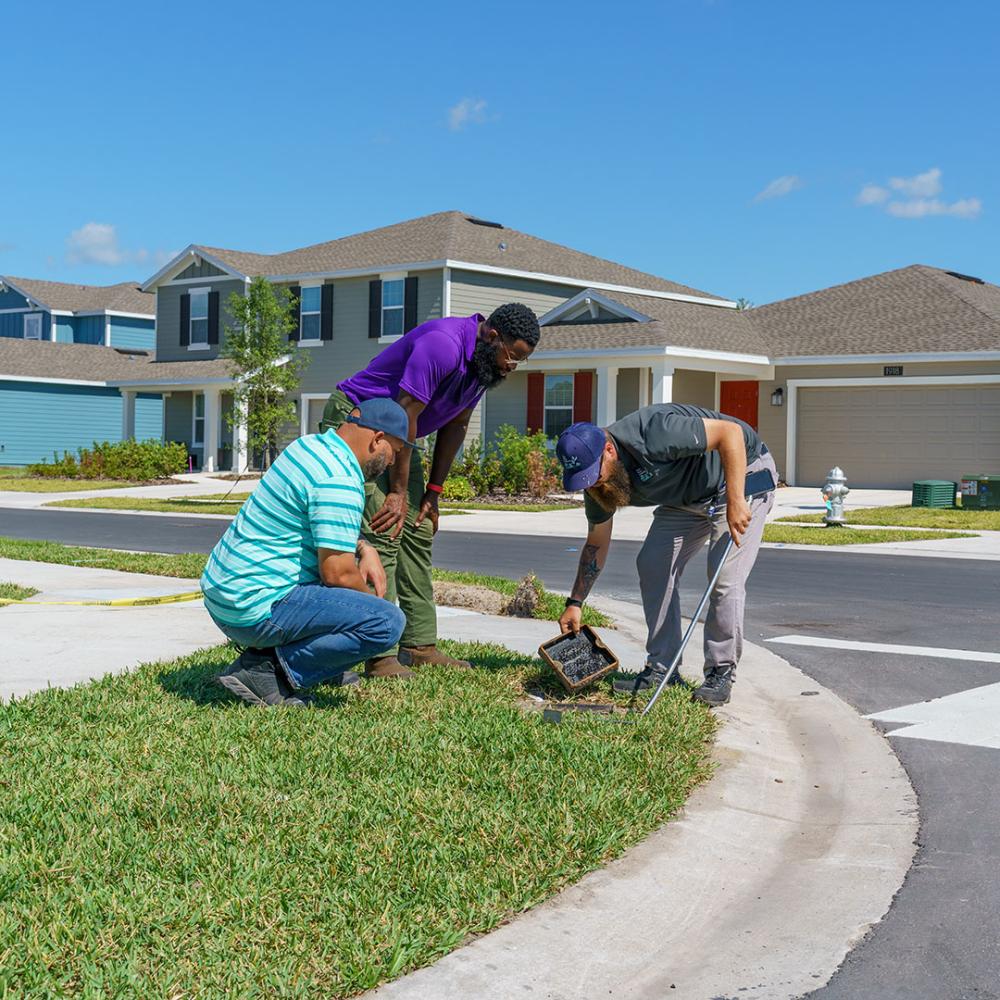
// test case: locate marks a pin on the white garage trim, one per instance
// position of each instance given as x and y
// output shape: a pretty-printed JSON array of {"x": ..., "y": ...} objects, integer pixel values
[
  {"x": 793, "y": 386},
  {"x": 304, "y": 410}
]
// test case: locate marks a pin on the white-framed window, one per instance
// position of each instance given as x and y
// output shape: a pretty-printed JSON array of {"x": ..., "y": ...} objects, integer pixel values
[
  {"x": 393, "y": 293},
  {"x": 558, "y": 404},
  {"x": 33, "y": 326},
  {"x": 198, "y": 420},
  {"x": 310, "y": 306},
  {"x": 199, "y": 318}
]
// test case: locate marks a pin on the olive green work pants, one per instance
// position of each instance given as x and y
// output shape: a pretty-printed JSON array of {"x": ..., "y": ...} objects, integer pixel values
[{"x": 407, "y": 560}]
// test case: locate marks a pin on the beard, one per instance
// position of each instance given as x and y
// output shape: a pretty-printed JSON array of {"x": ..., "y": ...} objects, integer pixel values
[
  {"x": 374, "y": 467},
  {"x": 485, "y": 366},
  {"x": 615, "y": 491}
]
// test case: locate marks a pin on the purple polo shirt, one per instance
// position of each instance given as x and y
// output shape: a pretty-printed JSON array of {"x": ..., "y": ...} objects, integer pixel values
[{"x": 431, "y": 363}]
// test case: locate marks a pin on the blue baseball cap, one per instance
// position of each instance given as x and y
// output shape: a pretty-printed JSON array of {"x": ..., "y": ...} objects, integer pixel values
[
  {"x": 579, "y": 450},
  {"x": 385, "y": 415}
]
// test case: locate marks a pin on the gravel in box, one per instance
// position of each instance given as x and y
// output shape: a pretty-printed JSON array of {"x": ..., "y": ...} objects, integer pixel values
[{"x": 578, "y": 657}]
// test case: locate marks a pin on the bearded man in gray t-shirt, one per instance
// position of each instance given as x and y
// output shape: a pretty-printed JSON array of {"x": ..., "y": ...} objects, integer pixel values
[{"x": 690, "y": 464}]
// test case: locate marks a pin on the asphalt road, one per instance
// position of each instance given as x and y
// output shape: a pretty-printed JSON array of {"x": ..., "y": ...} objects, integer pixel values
[{"x": 941, "y": 937}]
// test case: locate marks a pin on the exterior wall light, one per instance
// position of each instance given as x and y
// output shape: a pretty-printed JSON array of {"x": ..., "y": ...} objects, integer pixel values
[{"x": 778, "y": 397}]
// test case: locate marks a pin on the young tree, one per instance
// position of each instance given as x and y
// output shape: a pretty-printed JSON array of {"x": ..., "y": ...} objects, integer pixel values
[{"x": 266, "y": 366}]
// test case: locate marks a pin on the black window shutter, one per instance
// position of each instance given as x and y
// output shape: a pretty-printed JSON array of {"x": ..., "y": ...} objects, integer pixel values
[
  {"x": 295, "y": 297},
  {"x": 326, "y": 314},
  {"x": 410, "y": 304},
  {"x": 185, "y": 320},
  {"x": 375, "y": 308},
  {"x": 213, "y": 317}
]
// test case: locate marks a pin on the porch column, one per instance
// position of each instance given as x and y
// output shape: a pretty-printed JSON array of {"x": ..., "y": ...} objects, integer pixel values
[
  {"x": 210, "y": 455},
  {"x": 643, "y": 387},
  {"x": 128, "y": 414},
  {"x": 240, "y": 436},
  {"x": 607, "y": 396},
  {"x": 663, "y": 382}
]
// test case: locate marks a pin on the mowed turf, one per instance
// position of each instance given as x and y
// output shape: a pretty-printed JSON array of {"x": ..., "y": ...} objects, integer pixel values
[
  {"x": 158, "y": 838},
  {"x": 967, "y": 518}
]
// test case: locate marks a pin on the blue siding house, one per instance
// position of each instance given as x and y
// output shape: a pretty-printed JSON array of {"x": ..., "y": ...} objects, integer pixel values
[
  {"x": 110, "y": 315},
  {"x": 63, "y": 350}
]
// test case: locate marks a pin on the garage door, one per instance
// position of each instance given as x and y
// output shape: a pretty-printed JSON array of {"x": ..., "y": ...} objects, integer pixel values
[{"x": 890, "y": 436}]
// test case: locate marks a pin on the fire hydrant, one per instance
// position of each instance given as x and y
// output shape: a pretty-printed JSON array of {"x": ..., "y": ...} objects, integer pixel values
[{"x": 834, "y": 491}]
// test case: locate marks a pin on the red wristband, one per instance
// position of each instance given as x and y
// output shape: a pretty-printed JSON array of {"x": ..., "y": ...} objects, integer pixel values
[{"x": 434, "y": 488}]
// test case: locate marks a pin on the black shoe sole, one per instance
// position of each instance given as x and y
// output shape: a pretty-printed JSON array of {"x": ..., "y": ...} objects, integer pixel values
[
  {"x": 235, "y": 686},
  {"x": 711, "y": 702}
]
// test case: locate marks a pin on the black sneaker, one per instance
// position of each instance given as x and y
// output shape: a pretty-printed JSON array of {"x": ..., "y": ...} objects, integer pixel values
[
  {"x": 717, "y": 688},
  {"x": 256, "y": 678},
  {"x": 648, "y": 678}
]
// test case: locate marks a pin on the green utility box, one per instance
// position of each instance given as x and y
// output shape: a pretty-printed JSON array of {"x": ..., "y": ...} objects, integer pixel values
[
  {"x": 934, "y": 493},
  {"x": 981, "y": 492}
]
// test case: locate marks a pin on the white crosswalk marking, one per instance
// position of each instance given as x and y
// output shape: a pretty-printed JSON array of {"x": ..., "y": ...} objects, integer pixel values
[
  {"x": 971, "y": 717},
  {"x": 885, "y": 647}
]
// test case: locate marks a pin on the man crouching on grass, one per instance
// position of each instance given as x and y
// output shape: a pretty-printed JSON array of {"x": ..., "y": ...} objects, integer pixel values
[{"x": 289, "y": 581}]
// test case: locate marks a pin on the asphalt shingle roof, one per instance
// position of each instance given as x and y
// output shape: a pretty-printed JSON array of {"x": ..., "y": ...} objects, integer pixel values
[
  {"x": 446, "y": 236},
  {"x": 915, "y": 309},
  {"x": 123, "y": 297},
  {"x": 672, "y": 324},
  {"x": 90, "y": 363}
]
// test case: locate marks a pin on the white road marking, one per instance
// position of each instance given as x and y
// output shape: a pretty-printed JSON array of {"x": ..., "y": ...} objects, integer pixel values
[
  {"x": 971, "y": 717},
  {"x": 885, "y": 647}
]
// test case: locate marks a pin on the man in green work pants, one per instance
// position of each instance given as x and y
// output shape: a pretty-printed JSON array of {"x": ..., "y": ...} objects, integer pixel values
[{"x": 437, "y": 372}]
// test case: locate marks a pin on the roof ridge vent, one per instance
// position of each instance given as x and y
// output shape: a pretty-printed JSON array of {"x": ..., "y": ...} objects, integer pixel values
[
  {"x": 966, "y": 277},
  {"x": 483, "y": 222}
]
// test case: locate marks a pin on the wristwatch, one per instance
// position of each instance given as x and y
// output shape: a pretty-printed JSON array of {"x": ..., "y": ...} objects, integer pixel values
[{"x": 572, "y": 602}]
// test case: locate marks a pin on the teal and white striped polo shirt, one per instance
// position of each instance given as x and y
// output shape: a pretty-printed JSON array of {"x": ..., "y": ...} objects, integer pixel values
[{"x": 312, "y": 497}]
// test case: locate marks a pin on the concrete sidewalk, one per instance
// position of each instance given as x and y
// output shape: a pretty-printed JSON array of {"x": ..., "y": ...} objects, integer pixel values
[{"x": 193, "y": 485}]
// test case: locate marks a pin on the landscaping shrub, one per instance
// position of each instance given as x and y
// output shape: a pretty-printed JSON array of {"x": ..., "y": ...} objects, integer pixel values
[
  {"x": 542, "y": 478},
  {"x": 60, "y": 468},
  {"x": 457, "y": 488},
  {"x": 513, "y": 451},
  {"x": 132, "y": 460}
]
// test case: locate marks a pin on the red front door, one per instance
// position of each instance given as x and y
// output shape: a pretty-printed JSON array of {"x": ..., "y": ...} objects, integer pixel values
[{"x": 739, "y": 399}]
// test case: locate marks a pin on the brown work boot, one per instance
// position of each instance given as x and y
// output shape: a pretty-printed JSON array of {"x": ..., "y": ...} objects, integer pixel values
[
  {"x": 387, "y": 666},
  {"x": 430, "y": 656}
]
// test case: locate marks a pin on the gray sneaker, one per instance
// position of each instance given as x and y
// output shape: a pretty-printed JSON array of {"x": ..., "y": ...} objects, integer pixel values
[
  {"x": 717, "y": 688},
  {"x": 256, "y": 678},
  {"x": 647, "y": 679}
]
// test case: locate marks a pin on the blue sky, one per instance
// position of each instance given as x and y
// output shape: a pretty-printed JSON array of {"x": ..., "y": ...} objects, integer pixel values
[{"x": 745, "y": 147}]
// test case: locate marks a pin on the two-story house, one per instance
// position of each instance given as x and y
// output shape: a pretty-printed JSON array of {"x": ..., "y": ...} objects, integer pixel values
[
  {"x": 894, "y": 377},
  {"x": 61, "y": 348}
]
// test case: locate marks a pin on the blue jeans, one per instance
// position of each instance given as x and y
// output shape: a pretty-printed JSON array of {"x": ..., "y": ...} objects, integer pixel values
[{"x": 318, "y": 631}]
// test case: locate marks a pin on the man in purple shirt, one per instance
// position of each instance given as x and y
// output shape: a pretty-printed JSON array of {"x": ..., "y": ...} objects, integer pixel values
[{"x": 437, "y": 372}]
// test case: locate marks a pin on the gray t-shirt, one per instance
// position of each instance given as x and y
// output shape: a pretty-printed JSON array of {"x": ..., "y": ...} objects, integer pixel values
[{"x": 663, "y": 447}]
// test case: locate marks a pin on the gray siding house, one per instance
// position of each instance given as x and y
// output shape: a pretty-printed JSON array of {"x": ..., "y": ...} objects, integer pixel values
[{"x": 818, "y": 375}]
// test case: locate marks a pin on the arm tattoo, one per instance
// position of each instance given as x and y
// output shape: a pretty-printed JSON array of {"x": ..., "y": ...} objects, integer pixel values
[{"x": 587, "y": 572}]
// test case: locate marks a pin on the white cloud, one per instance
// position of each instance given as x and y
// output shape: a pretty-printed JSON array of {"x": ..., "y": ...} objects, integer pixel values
[
  {"x": 97, "y": 243},
  {"x": 918, "y": 208},
  {"x": 872, "y": 194},
  {"x": 468, "y": 111},
  {"x": 779, "y": 187},
  {"x": 916, "y": 198},
  {"x": 94, "y": 243},
  {"x": 925, "y": 185}
]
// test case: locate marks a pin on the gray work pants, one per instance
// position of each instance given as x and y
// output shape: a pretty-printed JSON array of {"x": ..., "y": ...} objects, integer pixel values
[{"x": 676, "y": 534}]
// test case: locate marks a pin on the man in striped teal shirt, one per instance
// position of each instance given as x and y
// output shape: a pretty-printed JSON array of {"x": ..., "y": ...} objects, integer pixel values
[{"x": 289, "y": 580}]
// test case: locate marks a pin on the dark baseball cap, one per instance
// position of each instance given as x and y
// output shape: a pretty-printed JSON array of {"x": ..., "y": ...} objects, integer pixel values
[
  {"x": 579, "y": 450},
  {"x": 385, "y": 415}
]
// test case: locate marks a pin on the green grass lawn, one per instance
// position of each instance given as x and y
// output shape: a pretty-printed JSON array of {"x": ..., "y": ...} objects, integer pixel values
[
  {"x": 917, "y": 517},
  {"x": 189, "y": 566},
  {"x": 792, "y": 534},
  {"x": 164, "y": 506},
  {"x": 162, "y": 840},
  {"x": 15, "y": 592},
  {"x": 13, "y": 478}
]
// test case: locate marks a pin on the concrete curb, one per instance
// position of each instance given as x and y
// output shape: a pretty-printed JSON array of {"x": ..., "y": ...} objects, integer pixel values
[{"x": 773, "y": 872}]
